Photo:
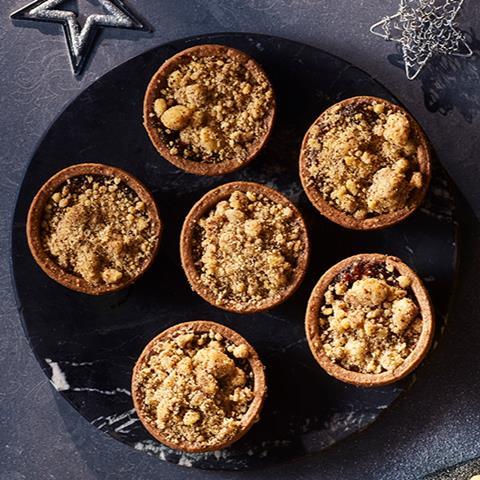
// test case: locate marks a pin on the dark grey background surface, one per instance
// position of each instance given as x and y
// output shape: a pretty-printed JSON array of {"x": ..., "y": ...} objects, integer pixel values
[{"x": 435, "y": 425}]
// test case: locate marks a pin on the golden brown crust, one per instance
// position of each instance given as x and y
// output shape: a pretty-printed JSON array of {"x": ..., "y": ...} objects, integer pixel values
[
  {"x": 382, "y": 220},
  {"x": 35, "y": 214},
  {"x": 160, "y": 76},
  {"x": 312, "y": 326},
  {"x": 260, "y": 388},
  {"x": 202, "y": 207}
]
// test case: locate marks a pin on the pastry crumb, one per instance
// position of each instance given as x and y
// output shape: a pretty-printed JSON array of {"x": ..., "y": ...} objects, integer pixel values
[
  {"x": 362, "y": 158},
  {"x": 194, "y": 390},
  {"x": 246, "y": 249},
  {"x": 97, "y": 228},
  {"x": 213, "y": 109},
  {"x": 369, "y": 320}
]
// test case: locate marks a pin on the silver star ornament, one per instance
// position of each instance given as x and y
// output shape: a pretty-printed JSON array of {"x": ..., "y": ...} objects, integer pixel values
[
  {"x": 424, "y": 28},
  {"x": 80, "y": 39}
]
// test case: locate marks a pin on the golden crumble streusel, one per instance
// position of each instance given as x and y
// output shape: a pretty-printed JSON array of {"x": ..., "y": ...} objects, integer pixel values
[
  {"x": 362, "y": 158},
  {"x": 213, "y": 109},
  {"x": 196, "y": 387},
  {"x": 97, "y": 228},
  {"x": 246, "y": 249},
  {"x": 369, "y": 320}
]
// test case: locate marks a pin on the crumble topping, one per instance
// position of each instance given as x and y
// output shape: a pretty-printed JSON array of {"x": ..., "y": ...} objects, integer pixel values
[
  {"x": 97, "y": 227},
  {"x": 213, "y": 109},
  {"x": 369, "y": 320},
  {"x": 362, "y": 158},
  {"x": 196, "y": 387},
  {"x": 247, "y": 249}
]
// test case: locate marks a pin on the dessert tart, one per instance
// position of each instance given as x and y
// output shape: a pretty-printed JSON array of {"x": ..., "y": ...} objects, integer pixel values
[
  {"x": 369, "y": 320},
  {"x": 93, "y": 228},
  {"x": 365, "y": 163},
  {"x": 244, "y": 247},
  {"x": 198, "y": 386},
  {"x": 209, "y": 109}
]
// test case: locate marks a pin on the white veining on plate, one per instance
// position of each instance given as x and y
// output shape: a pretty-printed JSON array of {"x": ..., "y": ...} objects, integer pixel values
[
  {"x": 60, "y": 382},
  {"x": 58, "y": 379},
  {"x": 119, "y": 421},
  {"x": 102, "y": 392}
]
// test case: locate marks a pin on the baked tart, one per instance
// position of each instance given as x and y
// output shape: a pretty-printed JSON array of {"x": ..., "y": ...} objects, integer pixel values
[
  {"x": 369, "y": 320},
  {"x": 365, "y": 163},
  {"x": 244, "y": 247},
  {"x": 209, "y": 109},
  {"x": 93, "y": 228},
  {"x": 198, "y": 386}
]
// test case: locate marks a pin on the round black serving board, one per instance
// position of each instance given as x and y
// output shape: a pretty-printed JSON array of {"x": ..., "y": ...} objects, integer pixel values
[{"x": 88, "y": 345}]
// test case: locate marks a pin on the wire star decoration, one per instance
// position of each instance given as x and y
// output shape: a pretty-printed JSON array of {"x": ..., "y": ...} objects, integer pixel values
[
  {"x": 424, "y": 28},
  {"x": 80, "y": 39}
]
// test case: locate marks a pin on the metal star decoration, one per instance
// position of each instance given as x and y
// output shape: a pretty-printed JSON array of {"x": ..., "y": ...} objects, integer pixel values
[
  {"x": 424, "y": 28},
  {"x": 80, "y": 39}
]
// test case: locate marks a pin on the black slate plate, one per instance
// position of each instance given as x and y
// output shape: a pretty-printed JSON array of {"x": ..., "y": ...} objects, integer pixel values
[{"x": 87, "y": 346}]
